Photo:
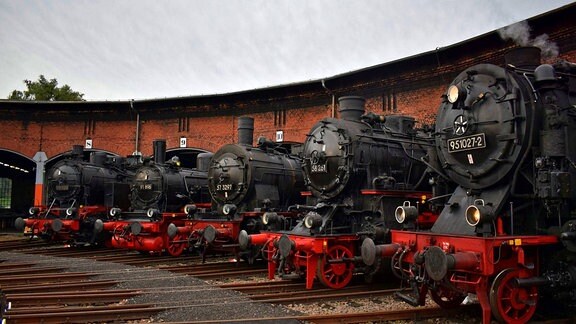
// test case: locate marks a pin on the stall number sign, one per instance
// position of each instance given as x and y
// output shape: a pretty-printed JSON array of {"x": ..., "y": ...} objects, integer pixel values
[
  {"x": 88, "y": 144},
  {"x": 182, "y": 141},
  {"x": 279, "y": 136}
]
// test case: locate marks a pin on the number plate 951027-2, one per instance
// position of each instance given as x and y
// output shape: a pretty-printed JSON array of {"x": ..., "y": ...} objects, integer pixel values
[{"x": 467, "y": 143}]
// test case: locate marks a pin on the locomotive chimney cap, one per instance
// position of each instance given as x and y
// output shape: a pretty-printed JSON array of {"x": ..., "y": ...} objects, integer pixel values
[
  {"x": 245, "y": 130},
  {"x": 526, "y": 57},
  {"x": 351, "y": 107}
]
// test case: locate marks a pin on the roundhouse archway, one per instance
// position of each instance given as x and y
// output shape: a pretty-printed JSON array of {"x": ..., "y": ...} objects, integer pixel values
[{"x": 17, "y": 177}]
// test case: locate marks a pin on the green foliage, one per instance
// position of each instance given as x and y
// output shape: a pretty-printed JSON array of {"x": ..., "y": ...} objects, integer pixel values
[{"x": 44, "y": 90}]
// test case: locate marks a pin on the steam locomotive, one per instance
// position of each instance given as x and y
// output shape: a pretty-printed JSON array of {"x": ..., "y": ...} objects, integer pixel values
[
  {"x": 251, "y": 189},
  {"x": 158, "y": 194},
  {"x": 358, "y": 169},
  {"x": 507, "y": 233},
  {"x": 80, "y": 193}
]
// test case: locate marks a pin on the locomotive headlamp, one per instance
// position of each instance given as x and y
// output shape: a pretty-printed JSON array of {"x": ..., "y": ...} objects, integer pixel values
[
  {"x": 115, "y": 212},
  {"x": 229, "y": 209},
  {"x": 152, "y": 212},
  {"x": 33, "y": 211},
  {"x": 70, "y": 211},
  {"x": 190, "y": 209},
  {"x": 472, "y": 215},
  {"x": 455, "y": 93},
  {"x": 312, "y": 220},
  {"x": 406, "y": 213},
  {"x": 269, "y": 218},
  {"x": 478, "y": 214}
]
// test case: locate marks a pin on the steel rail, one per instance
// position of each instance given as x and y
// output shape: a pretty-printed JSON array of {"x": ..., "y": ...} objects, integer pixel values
[
  {"x": 86, "y": 316},
  {"x": 12, "y": 265},
  {"x": 58, "y": 277},
  {"x": 69, "y": 286},
  {"x": 314, "y": 296},
  {"x": 58, "y": 309},
  {"x": 31, "y": 270},
  {"x": 70, "y": 298}
]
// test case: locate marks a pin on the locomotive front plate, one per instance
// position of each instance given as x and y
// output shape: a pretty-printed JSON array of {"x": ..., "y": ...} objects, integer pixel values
[
  {"x": 224, "y": 187},
  {"x": 62, "y": 188},
  {"x": 319, "y": 168},
  {"x": 466, "y": 143},
  {"x": 145, "y": 186}
]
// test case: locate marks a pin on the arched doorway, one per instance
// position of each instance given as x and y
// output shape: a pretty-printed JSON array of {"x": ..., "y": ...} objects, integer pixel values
[{"x": 17, "y": 177}]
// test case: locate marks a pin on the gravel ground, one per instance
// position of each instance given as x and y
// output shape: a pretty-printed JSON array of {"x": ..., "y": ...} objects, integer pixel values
[
  {"x": 368, "y": 304},
  {"x": 197, "y": 299}
]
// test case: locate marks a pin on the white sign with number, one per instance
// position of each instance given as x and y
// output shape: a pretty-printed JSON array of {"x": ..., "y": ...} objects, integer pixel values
[
  {"x": 182, "y": 141},
  {"x": 88, "y": 144},
  {"x": 279, "y": 136}
]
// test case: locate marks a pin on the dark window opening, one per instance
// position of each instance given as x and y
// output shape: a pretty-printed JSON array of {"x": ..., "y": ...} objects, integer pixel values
[{"x": 5, "y": 193}]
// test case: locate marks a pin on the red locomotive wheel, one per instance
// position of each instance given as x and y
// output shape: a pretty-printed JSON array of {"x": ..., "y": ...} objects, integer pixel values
[
  {"x": 446, "y": 297},
  {"x": 335, "y": 275},
  {"x": 511, "y": 304},
  {"x": 176, "y": 245}
]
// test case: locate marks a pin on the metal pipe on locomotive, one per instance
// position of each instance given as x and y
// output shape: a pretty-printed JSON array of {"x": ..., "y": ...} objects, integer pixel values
[
  {"x": 505, "y": 136},
  {"x": 358, "y": 168},
  {"x": 80, "y": 193},
  {"x": 251, "y": 189},
  {"x": 158, "y": 195}
]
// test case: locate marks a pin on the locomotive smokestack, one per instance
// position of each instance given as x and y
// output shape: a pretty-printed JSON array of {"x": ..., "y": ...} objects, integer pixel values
[
  {"x": 203, "y": 161},
  {"x": 78, "y": 150},
  {"x": 351, "y": 107},
  {"x": 245, "y": 130},
  {"x": 159, "y": 147},
  {"x": 523, "y": 57},
  {"x": 98, "y": 158}
]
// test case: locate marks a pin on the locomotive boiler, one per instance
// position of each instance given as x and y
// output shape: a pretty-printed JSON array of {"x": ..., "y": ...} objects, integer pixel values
[
  {"x": 507, "y": 233},
  {"x": 358, "y": 168},
  {"x": 251, "y": 189},
  {"x": 79, "y": 193},
  {"x": 158, "y": 194}
]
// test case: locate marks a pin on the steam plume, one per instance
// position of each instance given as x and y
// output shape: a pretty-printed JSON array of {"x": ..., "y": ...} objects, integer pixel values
[{"x": 520, "y": 34}]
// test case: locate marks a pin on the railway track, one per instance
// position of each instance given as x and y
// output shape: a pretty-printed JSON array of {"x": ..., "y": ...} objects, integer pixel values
[
  {"x": 414, "y": 315},
  {"x": 19, "y": 244},
  {"x": 54, "y": 294},
  {"x": 40, "y": 294},
  {"x": 82, "y": 314},
  {"x": 43, "y": 292}
]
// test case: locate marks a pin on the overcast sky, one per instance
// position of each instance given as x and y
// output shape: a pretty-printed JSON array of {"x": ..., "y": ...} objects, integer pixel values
[{"x": 144, "y": 49}]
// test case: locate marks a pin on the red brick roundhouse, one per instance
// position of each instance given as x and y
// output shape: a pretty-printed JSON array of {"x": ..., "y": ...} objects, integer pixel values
[{"x": 36, "y": 134}]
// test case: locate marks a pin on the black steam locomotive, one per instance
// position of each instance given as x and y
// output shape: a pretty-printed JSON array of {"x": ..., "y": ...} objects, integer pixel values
[
  {"x": 158, "y": 194},
  {"x": 508, "y": 232},
  {"x": 358, "y": 169},
  {"x": 80, "y": 193},
  {"x": 251, "y": 189}
]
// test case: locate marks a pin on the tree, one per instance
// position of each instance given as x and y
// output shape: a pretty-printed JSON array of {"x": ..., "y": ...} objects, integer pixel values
[{"x": 47, "y": 91}]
